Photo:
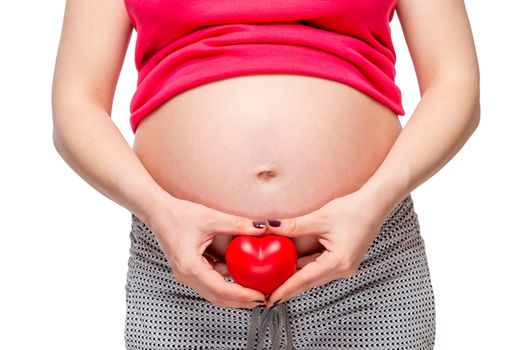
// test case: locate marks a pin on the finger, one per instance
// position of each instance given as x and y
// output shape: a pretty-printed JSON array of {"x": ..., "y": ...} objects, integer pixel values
[
  {"x": 221, "y": 268},
  {"x": 209, "y": 259},
  {"x": 313, "y": 274},
  {"x": 306, "y": 259},
  {"x": 223, "y": 223},
  {"x": 221, "y": 292},
  {"x": 315, "y": 222},
  {"x": 218, "y": 266}
]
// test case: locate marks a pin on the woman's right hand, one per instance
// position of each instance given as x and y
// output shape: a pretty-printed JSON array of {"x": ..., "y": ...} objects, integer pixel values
[{"x": 184, "y": 230}]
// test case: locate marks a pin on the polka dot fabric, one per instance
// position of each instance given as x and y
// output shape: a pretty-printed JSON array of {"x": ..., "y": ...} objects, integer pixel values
[{"x": 388, "y": 304}]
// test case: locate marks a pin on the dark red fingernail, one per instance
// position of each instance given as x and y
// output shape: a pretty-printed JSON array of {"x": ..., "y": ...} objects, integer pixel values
[
  {"x": 274, "y": 223},
  {"x": 259, "y": 224}
]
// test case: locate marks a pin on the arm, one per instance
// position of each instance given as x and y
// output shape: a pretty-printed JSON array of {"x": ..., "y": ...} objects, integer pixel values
[
  {"x": 441, "y": 44},
  {"x": 94, "y": 40},
  {"x": 92, "y": 48}
]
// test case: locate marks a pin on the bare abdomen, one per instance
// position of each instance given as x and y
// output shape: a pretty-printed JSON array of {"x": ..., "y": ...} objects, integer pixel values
[{"x": 266, "y": 146}]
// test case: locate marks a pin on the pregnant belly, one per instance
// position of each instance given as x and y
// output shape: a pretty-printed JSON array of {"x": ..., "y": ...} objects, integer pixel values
[{"x": 266, "y": 146}]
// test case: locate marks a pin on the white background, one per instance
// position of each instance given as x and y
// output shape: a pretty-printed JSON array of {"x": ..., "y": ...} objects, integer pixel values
[{"x": 64, "y": 246}]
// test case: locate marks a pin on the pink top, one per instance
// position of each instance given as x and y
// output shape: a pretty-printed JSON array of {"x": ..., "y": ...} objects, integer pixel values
[{"x": 185, "y": 43}]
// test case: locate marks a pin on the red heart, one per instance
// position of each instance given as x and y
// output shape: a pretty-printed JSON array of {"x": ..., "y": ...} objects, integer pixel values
[{"x": 261, "y": 262}]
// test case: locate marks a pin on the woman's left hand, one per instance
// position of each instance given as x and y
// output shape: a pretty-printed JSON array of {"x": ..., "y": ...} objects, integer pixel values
[{"x": 346, "y": 227}]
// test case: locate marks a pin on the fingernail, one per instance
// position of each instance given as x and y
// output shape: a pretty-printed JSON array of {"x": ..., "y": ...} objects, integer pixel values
[
  {"x": 261, "y": 305},
  {"x": 276, "y": 302},
  {"x": 259, "y": 224},
  {"x": 274, "y": 223},
  {"x": 258, "y": 301}
]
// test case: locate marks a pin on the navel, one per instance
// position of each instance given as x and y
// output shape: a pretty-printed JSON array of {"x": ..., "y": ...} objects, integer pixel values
[{"x": 266, "y": 175}]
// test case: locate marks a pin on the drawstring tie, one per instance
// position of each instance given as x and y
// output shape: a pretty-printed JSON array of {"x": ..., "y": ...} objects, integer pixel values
[{"x": 270, "y": 318}]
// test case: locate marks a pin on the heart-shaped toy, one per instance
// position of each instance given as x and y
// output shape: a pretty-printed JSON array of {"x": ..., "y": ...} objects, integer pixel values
[{"x": 261, "y": 262}]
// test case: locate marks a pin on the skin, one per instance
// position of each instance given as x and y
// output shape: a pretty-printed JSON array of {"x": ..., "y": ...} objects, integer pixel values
[
  {"x": 339, "y": 138},
  {"x": 445, "y": 118},
  {"x": 83, "y": 91},
  {"x": 92, "y": 48}
]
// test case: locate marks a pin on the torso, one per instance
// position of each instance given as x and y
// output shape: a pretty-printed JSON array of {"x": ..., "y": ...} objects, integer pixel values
[{"x": 266, "y": 146}]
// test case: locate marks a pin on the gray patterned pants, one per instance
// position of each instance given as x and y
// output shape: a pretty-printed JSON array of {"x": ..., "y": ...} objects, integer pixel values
[{"x": 388, "y": 304}]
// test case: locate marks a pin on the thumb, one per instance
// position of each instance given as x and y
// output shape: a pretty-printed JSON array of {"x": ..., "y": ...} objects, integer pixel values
[{"x": 314, "y": 222}]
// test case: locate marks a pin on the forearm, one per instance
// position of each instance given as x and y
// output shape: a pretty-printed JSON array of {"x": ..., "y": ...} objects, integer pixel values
[
  {"x": 445, "y": 118},
  {"x": 88, "y": 140}
]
